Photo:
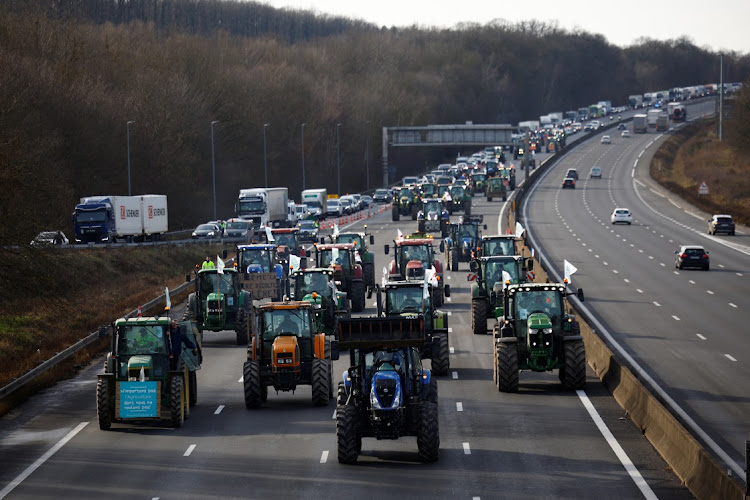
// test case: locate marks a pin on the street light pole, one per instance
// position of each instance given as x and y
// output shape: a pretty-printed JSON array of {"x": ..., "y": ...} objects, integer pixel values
[
  {"x": 127, "y": 127},
  {"x": 338, "y": 159},
  {"x": 304, "y": 185},
  {"x": 265, "y": 164},
  {"x": 367, "y": 153},
  {"x": 213, "y": 165}
]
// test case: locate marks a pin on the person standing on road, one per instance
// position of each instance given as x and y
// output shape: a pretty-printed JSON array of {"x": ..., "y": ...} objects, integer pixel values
[{"x": 175, "y": 338}]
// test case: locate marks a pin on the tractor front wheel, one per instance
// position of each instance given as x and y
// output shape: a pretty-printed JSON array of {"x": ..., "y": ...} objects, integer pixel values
[
  {"x": 341, "y": 396},
  {"x": 395, "y": 213},
  {"x": 320, "y": 381},
  {"x": 103, "y": 410},
  {"x": 573, "y": 372},
  {"x": 507, "y": 367},
  {"x": 193, "y": 389},
  {"x": 368, "y": 272},
  {"x": 479, "y": 316},
  {"x": 454, "y": 259},
  {"x": 428, "y": 434},
  {"x": 243, "y": 323},
  {"x": 251, "y": 381},
  {"x": 346, "y": 434},
  {"x": 441, "y": 361},
  {"x": 358, "y": 296},
  {"x": 176, "y": 398}
]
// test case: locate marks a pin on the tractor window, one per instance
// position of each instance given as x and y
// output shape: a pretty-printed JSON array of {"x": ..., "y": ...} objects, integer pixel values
[
  {"x": 493, "y": 272},
  {"x": 285, "y": 239},
  {"x": 350, "y": 238},
  {"x": 226, "y": 283},
  {"x": 432, "y": 206},
  {"x": 547, "y": 302},
  {"x": 307, "y": 283},
  {"x": 208, "y": 282},
  {"x": 136, "y": 339},
  {"x": 500, "y": 247},
  {"x": 405, "y": 300},
  {"x": 296, "y": 321},
  {"x": 256, "y": 258},
  {"x": 469, "y": 231}
]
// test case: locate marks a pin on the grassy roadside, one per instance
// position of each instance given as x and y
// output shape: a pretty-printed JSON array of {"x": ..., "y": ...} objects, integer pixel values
[
  {"x": 694, "y": 155},
  {"x": 54, "y": 297}
]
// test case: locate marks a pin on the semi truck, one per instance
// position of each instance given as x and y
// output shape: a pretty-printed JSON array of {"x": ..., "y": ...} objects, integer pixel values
[
  {"x": 107, "y": 219},
  {"x": 316, "y": 201},
  {"x": 662, "y": 122},
  {"x": 263, "y": 206},
  {"x": 640, "y": 123}
]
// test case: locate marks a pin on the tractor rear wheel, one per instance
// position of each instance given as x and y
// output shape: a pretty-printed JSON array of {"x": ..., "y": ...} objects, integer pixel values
[
  {"x": 358, "y": 295},
  {"x": 176, "y": 397},
  {"x": 507, "y": 367},
  {"x": 479, "y": 316},
  {"x": 467, "y": 207},
  {"x": 243, "y": 323},
  {"x": 251, "y": 382},
  {"x": 432, "y": 391},
  {"x": 395, "y": 213},
  {"x": 441, "y": 361},
  {"x": 368, "y": 272},
  {"x": 103, "y": 410},
  {"x": 341, "y": 396},
  {"x": 439, "y": 296},
  {"x": 319, "y": 382},
  {"x": 193, "y": 382},
  {"x": 454, "y": 259},
  {"x": 428, "y": 434},
  {"x": 573, "y": 372},
  {"x": 346, "y": 434},
  {"x": 414, "y": 211},
  {"x": 189, "y": 313}
]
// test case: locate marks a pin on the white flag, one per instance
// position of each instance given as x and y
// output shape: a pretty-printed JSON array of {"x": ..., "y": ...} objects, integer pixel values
[
  {"x": 426, "y": 286},
  {"x": 569, "y": 270},
  {"x": 506, "y": 278},
  {"x": 219, "y": 265},
  {"x": 269, "y": 235},
  {"x": 400, "y": 236},
  {"x": 519, "y": 229},
  {"x": 431, "y": 276},
  {"x": 385, "y": 277},
  {"x": 334, "y": 255},
  {"x": 169, "y": 301},
  {"x": 294, "y": 262},
  {"x": 335, "y": 230}
]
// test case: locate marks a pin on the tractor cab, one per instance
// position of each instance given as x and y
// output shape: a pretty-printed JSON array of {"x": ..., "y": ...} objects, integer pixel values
[{"x": 498, "y": 245}]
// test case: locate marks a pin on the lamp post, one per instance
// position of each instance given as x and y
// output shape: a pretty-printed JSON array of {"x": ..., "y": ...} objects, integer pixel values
[
  {"x": 213, "y": 165},
  {"x": 265, "y": 163},
  {"x": 127, "y": 128},
  {"x": 304, "y": 186},
  {"x": 338, "y": 159},
  {"x": 367, "y": 153}
]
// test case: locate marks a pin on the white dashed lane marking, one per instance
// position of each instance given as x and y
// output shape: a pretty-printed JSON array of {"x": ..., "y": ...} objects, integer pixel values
[
  {"x": 730, "y": 358},
  {"x": 459, "y": 406},
  {"x": 218, "y": 410},
  {"x": 467, "y": 449},
  {"x": 324, "y": 457},
  {"x": 189, "y": 450}
]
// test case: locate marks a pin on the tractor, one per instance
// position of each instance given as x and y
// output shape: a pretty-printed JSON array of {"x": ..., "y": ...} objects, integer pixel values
[
  {"x": 433, "y": 217},
  {"x": 405, "y": 203},
  {"x": 428, "y": 190},
  {"x": 262, "y": 258},
  {"x": 346, "y": 270},
  {"x": 368, "y": 258},
  {"x": 138, "y": 383},
  {"x": 479, "y": 182},
  {"x": 460, "y": 200},
  {"x": 287, "y": 241},
  {"x": 317, "y": 286},
  {"x": 421, "y": 249},
  {"x": 498, "y": 244},
  {"x": 490, "y": 275},
  {"x": 508, "y": 173},
  {"x": 386, "y": 393},
  {"x": 287, "y": 351},
  {"x": 462, "y": 241},
  {"x": 497, "y": 187},
  {"x": 219, "y": 302},
  {"x": 538, "y": 333}
]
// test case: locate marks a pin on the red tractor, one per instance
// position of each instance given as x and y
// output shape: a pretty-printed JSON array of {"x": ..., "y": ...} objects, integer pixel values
[
  {"x": 420, "y": 249},
  {"x": 346, "y": 270}
]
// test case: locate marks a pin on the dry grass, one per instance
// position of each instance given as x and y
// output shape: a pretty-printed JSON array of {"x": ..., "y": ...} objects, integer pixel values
[
  {"x": 60, "y": 297},
  {"x": 695, "y": 155}
]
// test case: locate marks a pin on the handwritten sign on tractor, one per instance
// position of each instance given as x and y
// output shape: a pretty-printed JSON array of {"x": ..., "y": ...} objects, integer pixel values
[{"x": 261, "y": 285}]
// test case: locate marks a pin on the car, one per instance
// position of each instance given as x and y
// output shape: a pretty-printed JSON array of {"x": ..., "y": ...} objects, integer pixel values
[
  {"x": 721, "y": 224},
  {"x": 237, "y": 228},
  {"x": 334, "y": 208},
  {"x": 347, "y": 205},
  {"x": 572, "y": 173},
  {"x": 606, "y": 139},
  {"x": 569, "y": 182},
  {"x": 381, "y": 196},
  {"x": 621, "y": 215},
  {"x": 367, "y": 200},
  {"x": 621, "y": 126},
  {"x": 208, "y": 231},
  {"x": 357, "y": 201},
  {"x": 308, "y": 230},
  {"x": 691, "y": 256},
  {"x": 49, "y": 238},
  {"x": 596, "y": 172},
  {"x": 626, "y": 133}
]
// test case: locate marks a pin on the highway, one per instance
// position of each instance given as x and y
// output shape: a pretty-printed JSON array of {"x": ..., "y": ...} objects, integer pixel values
[
  {"x": 540, "y": 442},
  {"x": 685, "y": 328}
]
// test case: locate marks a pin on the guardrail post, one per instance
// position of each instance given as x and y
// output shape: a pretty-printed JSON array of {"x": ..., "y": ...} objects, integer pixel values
[
  {"x": 747, "y": 468},
  {"x": 102, "y": 331}
]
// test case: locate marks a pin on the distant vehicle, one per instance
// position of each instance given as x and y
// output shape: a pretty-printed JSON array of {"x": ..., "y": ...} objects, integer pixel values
[
  {"x": 315, "y": 201},
  {"x": 640, "y": 123},
  {"x": 208, "y": 231},
  {"x": 606, "y": 139},
  {"x": 626, "y": 133},
  {"x": 408, "y": 181},
  {"x": 572, "y": 173},
  {"x": 107, "y": 219},
  {"x": 721, "y": 224},
  {"x": 381, "y": 196},
  {"x": 691, "y": 256},
  {"x": 308, "y": 231},
  {"x": 49, "y": 238},
  {"x": 596, "y": 172},
  {"x": 334, "y": 208},
  {"x": 347, "y": 205},
  {"x": 621, "y": 216},
  {"x": 621, "y": 126},
  {"x": 367, "y": 200},
  {"x": 237, "y": 228},
  {"x": 569, "y": 182}
]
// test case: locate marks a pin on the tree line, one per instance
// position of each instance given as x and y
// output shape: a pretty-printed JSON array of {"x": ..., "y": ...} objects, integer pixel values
[{"x": 75, "y": 72}]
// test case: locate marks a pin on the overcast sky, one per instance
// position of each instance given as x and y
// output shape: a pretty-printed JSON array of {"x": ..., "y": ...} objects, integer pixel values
[{"x": 718, "y": 25}]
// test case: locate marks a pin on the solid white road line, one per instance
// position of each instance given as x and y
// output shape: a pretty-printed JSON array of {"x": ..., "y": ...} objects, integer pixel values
[
  {"x": 621, "y": 455},
  {"x": 189, "y": 450},
  {"x": 218, "y": 410},
  {"x": 38, "y": 463},
  {"x": 324, "y": 457}
]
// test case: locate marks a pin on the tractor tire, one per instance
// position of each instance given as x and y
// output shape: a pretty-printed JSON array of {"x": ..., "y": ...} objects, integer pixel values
[
  {"x": 438, "y": 296},
  {"x": 346, "y": 434},
  {"x": 414, "y": 211},
  {"x": 507, "y": 367},
  {"x": 341, "y": 396},
  {"x": 103, "y": 409},
  {"x": 467, "y": 207},
  {"x": 368, "y": 273},
  {"x": 193, "y": 389},
  {"x": 443, "y": 229},
  {"x": 327, "y": 352},
  {"x": 454, "y": 259},
  {"x": 243, "y": 324},
  {"x": 573, "y": 372},
  {"x": 441, "y": 361},
  {"x": 319, "y": 382},
  {"x": 395, "y": 213},
  {"x": 251, "y": 382},
  {"x": 176, "y": 397},
  {"x": 479, "y": 316},
  {"x": 189, "y": 313},
  {"x": 489, "y": 198},
  {"x": 428, "y": 434},
  {"x": 432, "y": 391},
  {"x": 358, "y": 296}
]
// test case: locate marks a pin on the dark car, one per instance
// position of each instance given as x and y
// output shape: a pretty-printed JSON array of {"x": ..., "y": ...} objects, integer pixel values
[
  {"x": 308, "y": 231},
  {"x": 721, "y": 224},
  {"x": 569, "y": 182},
  {"x": 691, "y": 256},
  {"x": 382, "y": 196},
  {"x": 572, "y": 173},
  {"x": 209, "y": 231}
]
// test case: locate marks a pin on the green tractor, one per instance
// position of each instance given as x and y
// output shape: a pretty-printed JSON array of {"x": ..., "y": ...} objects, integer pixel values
[
  {"x": 538, "y": 333},
  {"x": 479, "y": 183},
  {"x": 508, "y": 173},
  {"x": 497, "y": 188},
  {"x": 490, "y": 275},
  {"x": 138, "y": 383},
  {"x": 368, "y": 258},
  {"x": 220, "y": 303},
  {"x": 498, "y": 244},
  {"x": 428, "y": 190},
  {"x": 405, "y": 203},
  {"x": 317, "y": 286},
  {"x": 460, "y": 199}
]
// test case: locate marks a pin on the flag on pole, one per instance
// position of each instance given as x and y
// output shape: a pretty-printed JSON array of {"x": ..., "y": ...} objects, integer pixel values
[
  {"x": 400, "y": 236},
  {"x": 426, "y": 286},
  {"x": 335, "y": 256},
  {"x": 169, "y": 301},
  {"x": 294, "y": 262},
  {"x": 432, "y": 273},
  {"x": 335, "y": 230},
  {"x": 269, "y": 235},
  {"x": 519, "y": 230},
  {"x": 506, "y": 278},
  {"x": 569, "y": 270},
  {"x": 385, "y": 276},
  {"x": 219, "y": 265}
]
